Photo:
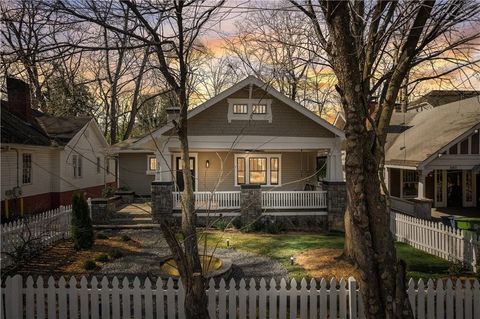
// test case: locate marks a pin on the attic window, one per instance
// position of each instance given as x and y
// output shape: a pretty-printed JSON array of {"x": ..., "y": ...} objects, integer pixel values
[
  {"x": 249, "y": 110},
  {"x": 259, "y": 108},
  {"x": 240, "y": 108}
]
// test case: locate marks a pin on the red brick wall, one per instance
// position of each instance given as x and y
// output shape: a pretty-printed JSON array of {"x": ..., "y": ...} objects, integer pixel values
[{"x": 47, "y": 201}]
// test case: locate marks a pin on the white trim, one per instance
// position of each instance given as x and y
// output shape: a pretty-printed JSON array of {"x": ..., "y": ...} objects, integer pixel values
[
  {"x": 149, "y": 170},
  {"x": 412, "y": 168},
  {"x": 300, "y": 213},
  {"x": 225, "y": 94},
  {"x": 249, "y": 115},
  {"x": 268, "y": 156},
  {"x": 178, "y": 155}
]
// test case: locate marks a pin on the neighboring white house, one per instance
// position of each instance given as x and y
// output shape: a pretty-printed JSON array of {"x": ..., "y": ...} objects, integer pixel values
[{"x": 44, "y": 158}]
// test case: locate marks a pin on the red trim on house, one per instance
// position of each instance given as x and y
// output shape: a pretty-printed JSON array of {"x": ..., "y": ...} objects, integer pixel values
[{"x": 47, "y": 201}]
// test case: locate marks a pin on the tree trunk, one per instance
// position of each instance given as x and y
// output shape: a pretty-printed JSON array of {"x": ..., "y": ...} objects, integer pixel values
[{"x": 193, "y": 279}]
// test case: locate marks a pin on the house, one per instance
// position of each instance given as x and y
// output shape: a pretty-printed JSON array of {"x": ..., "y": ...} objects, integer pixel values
[
  {"x": 436, "y": 98},
  {"x": 435, "y": 154},
  {"x": 250, "y": 134},
  {"x": 44, "y": 158}
]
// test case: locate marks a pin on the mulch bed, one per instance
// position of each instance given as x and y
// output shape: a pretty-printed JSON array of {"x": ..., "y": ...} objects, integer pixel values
[
  {"x": 62, "y": 259},
  {"x": 325, "y": 263}
]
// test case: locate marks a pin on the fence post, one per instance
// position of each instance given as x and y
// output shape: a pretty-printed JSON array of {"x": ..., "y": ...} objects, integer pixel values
[
  {"x": 14, "y": 297},
  {"x": 352, "y": 298}
]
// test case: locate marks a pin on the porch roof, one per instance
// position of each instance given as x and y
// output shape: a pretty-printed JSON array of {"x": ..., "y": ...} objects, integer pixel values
[{"x": 431, "y": 131}]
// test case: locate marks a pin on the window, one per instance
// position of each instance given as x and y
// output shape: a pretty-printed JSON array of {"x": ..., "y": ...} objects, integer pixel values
[
  {"x": 241, "y": 170},
  {"x": 27, "y": 168},
  {"x": 99, "y": 167},
  {"x": 259, "y": 109},
  {"x": 240, "y": 108},
  {"x": 77, "y": 166},
  {"x": 410, "y": 183},
  {"x": 152, "y": 163},
  {"x": 274, "y": 170},
  {"x": 257, "y": 170}
]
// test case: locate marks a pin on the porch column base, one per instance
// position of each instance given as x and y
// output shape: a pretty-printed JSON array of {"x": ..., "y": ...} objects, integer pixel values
[
  {"x": 162, "y": 200},
  {"x": 250, "y": 203},
  {"x": 336, "y": 204}
]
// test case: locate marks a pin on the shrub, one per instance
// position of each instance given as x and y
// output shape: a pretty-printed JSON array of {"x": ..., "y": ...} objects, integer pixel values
[
  {"x": 125, "y": 238},
  {"x": 102, "y": 258},
  {"x": 237, "y": 223},
  {"x": 81, "y": 224},
  {"x": 102, "y": 236},
  {"x": 115, "y": 254},
  {"x": 221, "y": 224},
  {"x": 89, "y": 265},
  {"x": 108, "y": 192},
  {"x": 455, "y": 267}
]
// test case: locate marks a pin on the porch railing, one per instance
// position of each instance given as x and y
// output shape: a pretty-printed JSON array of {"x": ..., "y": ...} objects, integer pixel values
[
  {"x": 211, "y": 200},
  {"x": 294, "y": 199},
  {"x": 402, "y": 205}
]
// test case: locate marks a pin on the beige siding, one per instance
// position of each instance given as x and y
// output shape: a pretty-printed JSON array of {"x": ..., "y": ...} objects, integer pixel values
[
  {"x": 132, "y": 172},
  {"x": 296, "y": 169},
  {"x": 285, "y": 121}
]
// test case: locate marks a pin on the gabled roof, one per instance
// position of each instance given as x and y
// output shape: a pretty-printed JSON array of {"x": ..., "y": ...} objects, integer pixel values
[
  {"x": 436, "y": 98},
  {"x": 61, "y": 129},
  {"x": 41, "y": 129},
  {"x": 429, "y": 132},
  {"x": 15, "y": 130},
  {"x": 247, "y": 81}
]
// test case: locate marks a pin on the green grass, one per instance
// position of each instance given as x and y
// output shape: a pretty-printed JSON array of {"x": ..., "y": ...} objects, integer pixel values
[{"x": 282, "y": 246}]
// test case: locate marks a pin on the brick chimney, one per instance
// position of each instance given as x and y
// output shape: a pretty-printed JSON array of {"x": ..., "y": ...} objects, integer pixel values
[
  {"x": 19, "y": 98},
  {"x": 173, "y": 113}
]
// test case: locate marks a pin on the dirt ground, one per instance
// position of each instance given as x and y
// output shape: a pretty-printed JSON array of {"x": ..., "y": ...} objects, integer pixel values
[
  {"x": 325, "y": 263},
  {"x": 62, "y": 258}
]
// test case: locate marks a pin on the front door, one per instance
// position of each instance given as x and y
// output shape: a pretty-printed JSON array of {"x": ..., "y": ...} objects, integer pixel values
[
  {"x": 179, "y": 173},
  {"x": 454, "y": 189}
]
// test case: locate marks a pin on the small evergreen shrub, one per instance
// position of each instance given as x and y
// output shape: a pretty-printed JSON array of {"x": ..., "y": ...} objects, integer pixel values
[
  {"x": 237, "y": 223},
  {"x": 125, "y": 238},
  {"x": 101, "y": 258},
  {"x": 102, "y": 236},
  {"x": 115, "y": 254},
  {"x": 89, "y": 265},
  {"x": 108, "y": 192},
  {"x": 221, "y": 224},
  {"x": 81, "y": 224}
]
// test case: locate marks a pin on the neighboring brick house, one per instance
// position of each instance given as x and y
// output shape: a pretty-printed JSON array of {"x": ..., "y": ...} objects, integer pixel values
[{"x": 44, "y": 158}]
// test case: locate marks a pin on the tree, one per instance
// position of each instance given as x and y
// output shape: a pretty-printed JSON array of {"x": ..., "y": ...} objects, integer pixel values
[
  {"x": 65, "y": 98},
  {"x": 171, "y": 28},
  {"x": 371, "y": 47},
  {"x": 82, "y": 230}
]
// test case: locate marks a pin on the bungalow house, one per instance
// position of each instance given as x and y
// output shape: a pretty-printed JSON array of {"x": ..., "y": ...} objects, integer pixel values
[
  {"x": 45, "y": 158},
  {"x": 248, "y": 134},
  {"x": 434, "y": 154}
]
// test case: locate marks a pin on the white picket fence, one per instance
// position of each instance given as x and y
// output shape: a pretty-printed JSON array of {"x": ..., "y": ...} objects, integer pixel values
[
  {"x": 109, "y": 299},
  {"x": 294, "y": 199},
  {"x": 40, "y": 231},
  {"x": 436, "y": 238}
]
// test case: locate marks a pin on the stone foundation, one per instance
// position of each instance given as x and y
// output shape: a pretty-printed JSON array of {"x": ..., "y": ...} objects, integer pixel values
[{"x": 250, "y": 202}]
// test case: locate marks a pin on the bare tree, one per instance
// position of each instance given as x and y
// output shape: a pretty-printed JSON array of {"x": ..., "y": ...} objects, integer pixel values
[
  {"x": 171, "y": 29},
  {"x": 274, "y": 46},
  {"x": 372, "y": 46}
]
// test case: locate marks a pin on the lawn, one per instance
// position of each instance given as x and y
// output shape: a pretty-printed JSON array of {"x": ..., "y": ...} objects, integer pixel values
[{"x": 283, "y": 246}]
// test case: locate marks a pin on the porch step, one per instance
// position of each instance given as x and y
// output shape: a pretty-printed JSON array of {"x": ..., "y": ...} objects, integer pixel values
[{"x": 127, "y": 226}]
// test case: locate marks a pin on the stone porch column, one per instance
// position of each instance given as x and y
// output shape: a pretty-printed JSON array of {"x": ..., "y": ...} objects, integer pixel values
[
  {"x": 334, "y": 165},
  {"x": 162, "y": 200},
  {"x": 250, "y": 202}
]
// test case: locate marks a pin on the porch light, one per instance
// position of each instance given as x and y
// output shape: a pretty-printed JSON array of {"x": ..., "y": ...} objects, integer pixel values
[
  {"x": 476, "y": 131},
  {"x": 439, "y": 154},
  {"x": 207, "y": 163}
]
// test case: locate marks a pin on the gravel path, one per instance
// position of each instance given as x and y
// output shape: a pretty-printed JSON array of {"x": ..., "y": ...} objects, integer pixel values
[{"x": 146, "y": 262}]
